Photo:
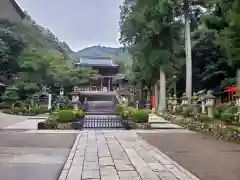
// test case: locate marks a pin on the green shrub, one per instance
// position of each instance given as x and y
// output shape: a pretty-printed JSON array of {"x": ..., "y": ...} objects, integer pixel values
[
  {"x": 217, "y": 114},
  {"x": 188, "y": 111},
  {"x": 119, "y": 108},
  {"x": 222, "y": 107},
  {"x": 203, "y": 118},
  {"x": 79, "y": 113},
  {"x": 65, "y": 116},
  {"x": 228, "y": 117},
  {"x": 141, "y": 116},
  {"x": 232, "y": 109}
]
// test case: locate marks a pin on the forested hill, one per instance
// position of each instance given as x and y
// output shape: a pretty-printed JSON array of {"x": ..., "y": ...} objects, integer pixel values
[
  {"x": 36, "y": 36},
  {"x": 102, "y": 51}
]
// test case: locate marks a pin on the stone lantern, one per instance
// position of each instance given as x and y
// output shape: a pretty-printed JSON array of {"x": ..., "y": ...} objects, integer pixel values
[
  {"x": 194, "y": 101},
  {"x": 184, "y": 102},
  {"x": 210, "y": 102},
  {"x": 75, "y": 99},
  {"x": 174, "y": 103},
  {"x": 169, "y": 103}
]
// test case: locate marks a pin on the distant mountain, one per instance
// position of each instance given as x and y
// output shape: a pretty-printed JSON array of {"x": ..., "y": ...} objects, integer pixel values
[{"x": 101, "y": 51}]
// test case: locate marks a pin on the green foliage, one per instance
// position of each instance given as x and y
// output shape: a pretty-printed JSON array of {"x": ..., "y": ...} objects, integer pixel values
[
  {"x": 65, "y": 116},
  {"x": 61, "y": 102},
  {"x": 141, "y": 116},
  {"x": 119, "y": 108},
  {"x": 10, "y": 95},
  {"x": 203, "y": 118},
  {"x": 188, "y": 111},
  {"x": 79, "y": 113}
]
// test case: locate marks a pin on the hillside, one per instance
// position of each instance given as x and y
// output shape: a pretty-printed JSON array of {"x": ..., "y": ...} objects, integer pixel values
[{"x": 36, "y": 36}]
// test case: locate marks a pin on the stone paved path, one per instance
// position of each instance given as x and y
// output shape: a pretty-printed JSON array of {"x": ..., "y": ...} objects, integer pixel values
[{"x": 119, "y": 155}]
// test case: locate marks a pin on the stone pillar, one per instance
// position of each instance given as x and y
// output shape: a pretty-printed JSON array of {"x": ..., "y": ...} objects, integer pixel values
[
  {"x": 169, "y": 103},
  {"x": 49, "y": 101},
  {"x": 137, "y": 104},
  {"x": 210, "y": 102},
  {"x": 162, "y": 97},
  {"x": 203, "y": 107},
  {"x": 184, "y": 102}
]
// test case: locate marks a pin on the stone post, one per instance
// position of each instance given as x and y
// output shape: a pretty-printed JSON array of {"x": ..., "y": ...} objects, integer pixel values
[
  {"x": 137, "y": 104},
  {"x": 169, "y": 103},
  {"x": 49, "y": 101},
  {"x": 210, "y": 102},
  {"x": 85, "y": 104},
  {"x": 174, "y": 104},
  {"x": 203, "y": 107},
  {"x": 184, "y": 102}
]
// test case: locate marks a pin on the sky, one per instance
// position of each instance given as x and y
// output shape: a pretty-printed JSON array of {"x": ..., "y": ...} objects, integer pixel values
[{"x": 81, "y": 23}]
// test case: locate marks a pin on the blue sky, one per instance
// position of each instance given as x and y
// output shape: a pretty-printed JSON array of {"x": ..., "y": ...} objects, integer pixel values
[{"x": 81, "y": 23}]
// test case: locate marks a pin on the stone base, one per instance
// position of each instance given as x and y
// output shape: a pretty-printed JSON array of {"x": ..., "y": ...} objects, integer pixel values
[{"x": 76, "y": 125}]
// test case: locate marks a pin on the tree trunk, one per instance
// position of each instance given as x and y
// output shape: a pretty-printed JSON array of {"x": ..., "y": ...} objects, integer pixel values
[
  {"x": 162, "y": 97},
  {"x": 188, "y": 51}
]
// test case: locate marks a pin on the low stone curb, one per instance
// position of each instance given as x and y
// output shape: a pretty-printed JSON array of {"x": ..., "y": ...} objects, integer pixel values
[{"x": 68, "y": 163}]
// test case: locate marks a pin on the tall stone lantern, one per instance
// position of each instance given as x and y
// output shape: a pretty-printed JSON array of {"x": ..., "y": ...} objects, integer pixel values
[
  {"x": 210, "y": 102},
  {"x": 75, "y": 98},
  {"x": 184, "y": 102},
  {"x": 174, "y": 104}
]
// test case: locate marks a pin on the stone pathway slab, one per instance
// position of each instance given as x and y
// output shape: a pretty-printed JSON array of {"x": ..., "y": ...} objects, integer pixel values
[{"x": 128, "y": 157}]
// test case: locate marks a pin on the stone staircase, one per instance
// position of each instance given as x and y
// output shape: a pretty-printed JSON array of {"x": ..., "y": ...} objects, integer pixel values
[{"x": 157, "y": 122}]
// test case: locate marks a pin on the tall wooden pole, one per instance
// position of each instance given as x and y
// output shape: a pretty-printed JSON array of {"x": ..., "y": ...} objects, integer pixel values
[{"x": 188, "y": 51}]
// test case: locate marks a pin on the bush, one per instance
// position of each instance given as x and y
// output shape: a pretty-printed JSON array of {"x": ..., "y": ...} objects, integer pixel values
[
  {"x": 65, "y": 116},
  {"x": 141, "y": 116},
  {"x": 203, "y": 118},
  {"x": 79, "y": 113},
  {"x": 222, "y": 107},
  {"x": 228, "y": 117},
  {"x": 188, "y": 111},
  {"x": 217, "y": 114},
  {"x": 119, "y": 109}
]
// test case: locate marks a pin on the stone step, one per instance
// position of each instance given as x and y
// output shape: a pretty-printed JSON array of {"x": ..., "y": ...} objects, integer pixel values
[
  {"x": 164, "y": 126},
  {"x": 157, "y": 120}
]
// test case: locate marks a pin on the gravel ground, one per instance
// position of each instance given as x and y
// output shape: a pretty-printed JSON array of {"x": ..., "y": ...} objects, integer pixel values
[{"x": 204, "y": 156}]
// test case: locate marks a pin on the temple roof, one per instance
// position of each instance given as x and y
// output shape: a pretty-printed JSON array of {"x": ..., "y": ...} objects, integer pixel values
[
  {"x": 96, "y": 61},
  {"x": 17, "y": 8}
]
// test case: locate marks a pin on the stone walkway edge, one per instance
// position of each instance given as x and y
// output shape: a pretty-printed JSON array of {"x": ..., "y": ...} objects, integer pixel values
[{"x": 119, "y": 155}]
